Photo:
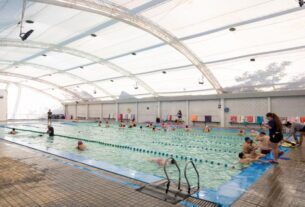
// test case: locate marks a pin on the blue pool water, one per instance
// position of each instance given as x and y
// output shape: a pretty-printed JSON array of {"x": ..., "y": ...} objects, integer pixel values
[{"x": 222, "y": 178}]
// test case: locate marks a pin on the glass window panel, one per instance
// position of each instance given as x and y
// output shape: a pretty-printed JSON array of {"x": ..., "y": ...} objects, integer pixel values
[
  {"x": 115, "y": 40},
  {"x": 29, "y": 71},
  {"x": 176, "y": 81},
  {"x": 60, "y": 61},
  {"x": 62, "y": 79},
  {"x": 159, "y": 58},
  {"x": 184, "y": 18},
  {"x": 95, "y": 72},
  {"x": 122, "y": 86}
]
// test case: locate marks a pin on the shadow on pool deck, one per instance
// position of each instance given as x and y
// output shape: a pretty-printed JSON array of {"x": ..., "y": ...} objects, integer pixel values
[
  {"x": 282, "y": 186},
  {"x": 32, "y": 178}
]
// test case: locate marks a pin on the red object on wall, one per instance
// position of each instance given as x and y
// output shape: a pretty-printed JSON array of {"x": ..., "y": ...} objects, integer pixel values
[
  {"x": 120, "y": 117},
  {"x": 250, "y": 119},
  {"x": 233, "y": 119},
  {"x": 302, "y": 119}
]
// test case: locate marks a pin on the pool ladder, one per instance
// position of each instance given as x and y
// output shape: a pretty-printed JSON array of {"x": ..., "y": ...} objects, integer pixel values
[{"x": 189, "y": 189}]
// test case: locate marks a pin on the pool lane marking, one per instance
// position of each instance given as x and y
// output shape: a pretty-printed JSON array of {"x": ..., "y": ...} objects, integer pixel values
[{"x": 139, "y": 150}]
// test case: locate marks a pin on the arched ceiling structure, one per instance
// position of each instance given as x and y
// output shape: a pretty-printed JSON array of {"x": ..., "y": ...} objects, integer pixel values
[{"x": 107, "y": 50}]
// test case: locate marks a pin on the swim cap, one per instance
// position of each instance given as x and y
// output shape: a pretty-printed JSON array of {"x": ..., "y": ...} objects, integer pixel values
[
  {"x": 262, "y": 133},
  {"x": 80, "y": 142}
]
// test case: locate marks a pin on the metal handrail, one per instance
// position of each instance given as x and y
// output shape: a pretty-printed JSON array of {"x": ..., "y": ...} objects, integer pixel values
[
  {"x": 173, "y": 161},
  {"x": 185, "y": 175}
]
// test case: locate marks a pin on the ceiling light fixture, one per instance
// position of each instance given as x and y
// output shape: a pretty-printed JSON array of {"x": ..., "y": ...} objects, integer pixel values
[
  {"x": 133, "y": 53},
  {"x": 44, "y": 55},
  {"x": 201, "y": 81},
  {"x": 232, "y": 29},
  {"x": 81, "y": 67},
  {"x": 136, "y": 86},
  {"x": 29, "y": 21},
  {"x": 301, "y": 3},
  {"x": 252, "y": 59},
  {"x": 24, "y": 35},
  {"x": 111, "y": 80},
  {"x": 164, "y": 72},
  {"x": 93, "y": 35}
]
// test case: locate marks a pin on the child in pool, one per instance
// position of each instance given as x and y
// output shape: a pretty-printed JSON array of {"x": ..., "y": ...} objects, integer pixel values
[
  {"x": 241, "y": 132},
  {"x": 186, "y": 129},
  {"x": 107, "y": 124},
  {"x": 207, "y": 129},
  {"x": 81, "y": 146}
]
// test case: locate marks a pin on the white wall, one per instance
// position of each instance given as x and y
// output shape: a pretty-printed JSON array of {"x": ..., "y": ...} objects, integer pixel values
[
  {"x": 149, "y": 110},
  {"x": 3, "y": 105},
  {"x": 95, "y": 111}
]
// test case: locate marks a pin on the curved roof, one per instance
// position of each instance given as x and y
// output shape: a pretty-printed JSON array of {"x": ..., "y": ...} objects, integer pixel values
[{"x": 104, "y": 50}]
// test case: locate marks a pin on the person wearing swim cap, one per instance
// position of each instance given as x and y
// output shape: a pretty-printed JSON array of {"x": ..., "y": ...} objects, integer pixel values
[{"x": 81, "y": 146}]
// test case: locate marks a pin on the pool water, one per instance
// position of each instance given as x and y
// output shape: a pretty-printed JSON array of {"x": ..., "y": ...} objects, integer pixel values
[{"x": 214, "y": 153}]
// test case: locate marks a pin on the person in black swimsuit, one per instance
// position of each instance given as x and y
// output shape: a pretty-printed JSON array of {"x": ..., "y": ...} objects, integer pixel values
[
  {"x": 50, "y": 131},
  {"x": 49, "y": 117},
  {"x": 275, "y": 133}
]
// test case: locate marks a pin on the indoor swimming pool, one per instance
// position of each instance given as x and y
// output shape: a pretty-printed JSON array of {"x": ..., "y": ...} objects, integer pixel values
[{"x": 215, "y": 153}]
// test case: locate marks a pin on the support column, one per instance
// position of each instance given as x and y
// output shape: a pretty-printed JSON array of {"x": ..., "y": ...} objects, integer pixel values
[
  {"x": 222, "y": 113},
  {"x": 269, "y": 104},
  {"x": 137, "y": 111},
  {"x": 87, "y": 111},
  {"x": 159, "y": 110},
  {"x": 101, "y": 114},
  {"x": 187, "y": 103},
  {"x": 75, "y": 111},
  {"x": 117, "y": 111}
]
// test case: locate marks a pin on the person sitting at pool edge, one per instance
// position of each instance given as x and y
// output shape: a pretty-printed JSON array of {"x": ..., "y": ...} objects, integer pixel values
[
  {"x": 13, "y": 132},
  {"x": 81, "y": 146},
  {"x": 264, "y": 143},
  {"x": 50, "y": 130},
  {"x": 243, "y": 159},
  {"x": 293, "y": 129}
]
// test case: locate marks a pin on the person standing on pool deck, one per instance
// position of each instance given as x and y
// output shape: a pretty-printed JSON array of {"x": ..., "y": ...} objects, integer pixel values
[
  {"x": 294, "y": 128},
  {"x": 275, "y": 133},
  {"x": 49, "y": 117},
  {"x": 179, "y": 115}
]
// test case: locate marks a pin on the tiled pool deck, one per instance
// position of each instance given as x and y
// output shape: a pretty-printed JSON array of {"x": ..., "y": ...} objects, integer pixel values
[
  {"x": 282, "y": 186},
  {"x": 32, "y": 178}
]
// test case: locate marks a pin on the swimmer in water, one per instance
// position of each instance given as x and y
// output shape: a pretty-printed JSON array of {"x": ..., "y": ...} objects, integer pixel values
[
  {"x": 207, "y": 129},
  {"x": 161, "y": 161},
  {"x": 13, "y": 132},
  {"x": 107, "y": 124},
  {"x": 81, "y": 146},
  {"x": 241, "y": 132},
  {"x": 99, "y": 123},
  {"x": 186, "y": 129}
]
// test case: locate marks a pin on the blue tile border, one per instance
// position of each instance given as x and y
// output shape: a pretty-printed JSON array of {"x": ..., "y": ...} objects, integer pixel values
[{"x": 224, "y": 196}]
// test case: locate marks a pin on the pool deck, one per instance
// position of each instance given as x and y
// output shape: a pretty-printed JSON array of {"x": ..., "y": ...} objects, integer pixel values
[
  {"x": 282, "y": 186},
  {"x": 32, "y": 178}
]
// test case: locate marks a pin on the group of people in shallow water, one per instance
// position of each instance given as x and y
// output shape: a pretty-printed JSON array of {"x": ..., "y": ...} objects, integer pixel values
[{"x": 270, "y": 143}]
